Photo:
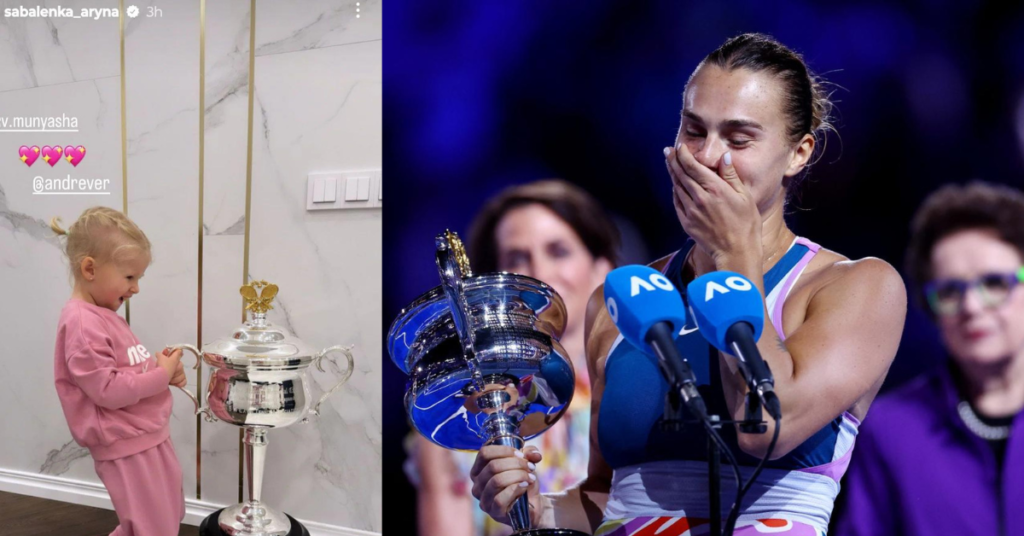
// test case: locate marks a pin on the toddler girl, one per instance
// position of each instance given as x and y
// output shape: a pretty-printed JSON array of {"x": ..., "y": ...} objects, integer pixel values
[{"x": 114, "y": 394}]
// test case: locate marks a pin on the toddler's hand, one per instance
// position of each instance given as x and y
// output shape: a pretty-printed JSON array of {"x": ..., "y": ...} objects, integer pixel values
[
  {"x": 169, "y": 362},
  {"x": 179, "y": 379}
]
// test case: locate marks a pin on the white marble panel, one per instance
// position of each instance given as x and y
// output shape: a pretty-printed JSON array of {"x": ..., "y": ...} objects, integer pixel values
[
  {"x": 162, "y": 85},
  {"x": 281, "y": 27},
  {"x": 293, "y": 25},
  {"x": 328, "y": 265},
  {"x": 34, "y": 273},
  {"x": 227, "y": 91},
  {"x": 226, "y": 130},
  {"x": 55, "y": 50}
]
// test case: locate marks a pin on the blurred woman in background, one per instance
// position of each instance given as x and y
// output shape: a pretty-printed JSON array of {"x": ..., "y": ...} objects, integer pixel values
[
  {"x": 945, "y": 453},
  {"x": 555, "y": 232}
]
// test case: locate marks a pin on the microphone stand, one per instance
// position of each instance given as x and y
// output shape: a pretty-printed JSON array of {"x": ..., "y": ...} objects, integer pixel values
[
  {"x": 673, "y": 420},
  {"x": 715, "y": 478},
  {"x": 684, "y": 389},
  {"x": 753, "y": 422}
]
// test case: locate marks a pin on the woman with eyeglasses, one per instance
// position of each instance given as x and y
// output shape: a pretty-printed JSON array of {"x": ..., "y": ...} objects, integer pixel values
[{"x": 945, "y": 454}]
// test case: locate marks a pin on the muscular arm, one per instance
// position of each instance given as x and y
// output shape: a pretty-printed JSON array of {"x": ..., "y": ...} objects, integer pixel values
[{"x": 835, "y": 359}]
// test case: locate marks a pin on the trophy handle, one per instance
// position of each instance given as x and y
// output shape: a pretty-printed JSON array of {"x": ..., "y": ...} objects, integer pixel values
[
  {"x": 453, "y": 268},
  {"x": 199, "y": 357},
  {"x": 318, "y": 360}
]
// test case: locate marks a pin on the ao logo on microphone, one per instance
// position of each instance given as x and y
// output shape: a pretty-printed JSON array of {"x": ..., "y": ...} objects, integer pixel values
[
  {"x": 637, "y": 283},
  {"x": 734, "y": 282}
]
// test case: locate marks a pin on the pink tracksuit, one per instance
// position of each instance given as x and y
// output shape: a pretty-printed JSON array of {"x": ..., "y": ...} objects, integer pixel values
[{"x": 117, "y": 404}]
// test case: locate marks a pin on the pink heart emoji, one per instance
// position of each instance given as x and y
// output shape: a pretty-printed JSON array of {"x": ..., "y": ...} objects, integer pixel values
[
  {"x": 74, "y": 154},
  {"x": 51, "y": 154},
  {"x": 28, "y": 154}
]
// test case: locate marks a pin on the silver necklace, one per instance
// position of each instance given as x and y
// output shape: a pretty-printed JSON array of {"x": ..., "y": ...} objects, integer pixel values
[{"x": 979, "y": 428}]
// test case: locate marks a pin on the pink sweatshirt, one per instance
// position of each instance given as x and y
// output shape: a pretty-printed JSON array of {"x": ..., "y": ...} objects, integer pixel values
[{"x": 115, "y": 397}]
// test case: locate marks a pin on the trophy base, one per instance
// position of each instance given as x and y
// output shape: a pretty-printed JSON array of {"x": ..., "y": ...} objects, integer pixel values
[
  {"x": 550, "y": 532},
  {"x": 211, "y": 527}
]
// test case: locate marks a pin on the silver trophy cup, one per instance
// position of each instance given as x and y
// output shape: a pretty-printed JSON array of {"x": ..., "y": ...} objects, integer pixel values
[
  {"x": 258, "y": 382},
  {"x": 484, "y": 362}
]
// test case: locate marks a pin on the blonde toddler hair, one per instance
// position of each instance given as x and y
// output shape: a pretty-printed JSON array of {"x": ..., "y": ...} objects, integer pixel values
[{"x": 103, "y": 234}]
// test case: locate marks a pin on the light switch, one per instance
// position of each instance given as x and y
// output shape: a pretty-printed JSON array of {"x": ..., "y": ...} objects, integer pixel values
[
  {"x": 357, "y": 189},
  {"x": 318, "y": 190},
  {"x": 363, "y": 193},
  {"x": 351, "y": 186},
  {"x": 330, "y": 190}
]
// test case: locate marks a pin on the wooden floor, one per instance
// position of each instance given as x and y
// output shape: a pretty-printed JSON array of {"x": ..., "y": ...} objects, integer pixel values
[{"x": 21, "y": 515}]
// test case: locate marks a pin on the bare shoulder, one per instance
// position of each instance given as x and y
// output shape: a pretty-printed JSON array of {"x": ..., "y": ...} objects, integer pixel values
[
  {"x": 834, "y": 281},
  {"x": 838, "y": 273}
]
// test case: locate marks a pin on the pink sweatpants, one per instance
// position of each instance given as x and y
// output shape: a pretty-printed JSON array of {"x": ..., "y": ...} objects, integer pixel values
[{"x": 146, "y": 491}]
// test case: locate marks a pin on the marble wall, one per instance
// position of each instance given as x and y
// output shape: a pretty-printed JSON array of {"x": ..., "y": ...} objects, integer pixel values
[{"x": 317, "y": 107}]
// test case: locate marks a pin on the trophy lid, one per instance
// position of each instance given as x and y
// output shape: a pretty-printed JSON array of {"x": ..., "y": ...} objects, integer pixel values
[{"x": 257, "y": 342}]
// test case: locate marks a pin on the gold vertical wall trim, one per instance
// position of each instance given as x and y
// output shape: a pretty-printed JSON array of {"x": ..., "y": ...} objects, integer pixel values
[
  {"x": 124, "y": 141},
  {"x": 124, "y": 121},
  {"x": 199, "y": 291},
  {"x": 248, "y": 192}
]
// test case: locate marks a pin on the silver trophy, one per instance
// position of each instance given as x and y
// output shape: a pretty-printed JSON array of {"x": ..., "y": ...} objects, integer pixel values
[
  {"x": 484, "y": 362},
  {"x": 258, "y": 382}
]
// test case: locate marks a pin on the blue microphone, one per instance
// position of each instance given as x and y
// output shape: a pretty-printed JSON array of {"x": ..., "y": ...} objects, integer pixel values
[
  {"x": 729, "y": 313},
  {"x": 649, "y": 312}
]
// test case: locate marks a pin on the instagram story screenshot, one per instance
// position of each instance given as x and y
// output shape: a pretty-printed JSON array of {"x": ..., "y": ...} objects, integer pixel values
[{"x": 191, "y": 200}]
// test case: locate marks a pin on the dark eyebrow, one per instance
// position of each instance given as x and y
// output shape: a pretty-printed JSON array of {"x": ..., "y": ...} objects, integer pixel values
[{"x": 731, "y": 123}]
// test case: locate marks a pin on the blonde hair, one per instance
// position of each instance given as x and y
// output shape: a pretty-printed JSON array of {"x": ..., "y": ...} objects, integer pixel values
[{"x": 103, "y": 234}]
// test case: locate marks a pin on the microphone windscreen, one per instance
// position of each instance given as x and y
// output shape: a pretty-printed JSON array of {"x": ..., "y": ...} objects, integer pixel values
[
  {"x": 637, "y": 297},
  {"x": 720, "y": 299}
]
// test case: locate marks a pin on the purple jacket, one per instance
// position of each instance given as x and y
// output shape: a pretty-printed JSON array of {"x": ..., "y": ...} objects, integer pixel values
[{"x": 917, "y": 470}]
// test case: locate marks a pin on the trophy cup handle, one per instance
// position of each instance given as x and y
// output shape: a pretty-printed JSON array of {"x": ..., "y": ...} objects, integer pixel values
[
  {"x": 199, "y": 357},
  {"x": 318, "y": 360}
]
